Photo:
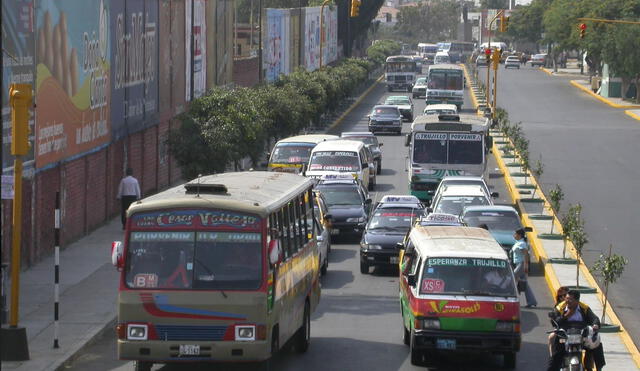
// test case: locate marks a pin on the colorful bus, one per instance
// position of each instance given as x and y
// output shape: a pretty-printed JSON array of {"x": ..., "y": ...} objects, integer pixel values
[
  {"x": 441, "y": 145},
  {"x": 445, "y": 84},
  {"x": 400, "y": 72},
  {"x": 427, "y": 52},
  {"x": 222, "y": 268},
  {"x": 458, "y": 294},
  {"x": 291, "y": 155},
  {"x": 459, "y": 51}
]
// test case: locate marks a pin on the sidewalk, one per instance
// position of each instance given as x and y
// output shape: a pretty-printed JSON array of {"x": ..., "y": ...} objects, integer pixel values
[{"x": 88, "y": 293}]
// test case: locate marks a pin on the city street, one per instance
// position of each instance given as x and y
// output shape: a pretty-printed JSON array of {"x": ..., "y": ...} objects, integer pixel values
[
  {"x": 591, "y": 151},
  {"x": 358, "y": 325}
]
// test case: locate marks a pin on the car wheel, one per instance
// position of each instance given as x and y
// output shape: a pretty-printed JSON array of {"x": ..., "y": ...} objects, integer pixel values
[
  {"x": 406, "y": 335},
  {"x": 372, "y": 184},
  {"x": 415, "y": 95},
  {"x": 364, "y": 267},
  {"x": 509, "y": 361},
  {"x": 417, "y": 356},
  {"x": 389, "y": 88},
  {"x": 142, "y": 366},
  {"x": 303, "y": 336},
  {"x": 379, "y": 167},
  {"x": 323, "y": 265}
]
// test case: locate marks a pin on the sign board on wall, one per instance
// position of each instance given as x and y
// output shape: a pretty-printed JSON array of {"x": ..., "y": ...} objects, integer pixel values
[
  {"x": 73, "y": 79},
  {"x": 18, "y": 63},
  {"x": 311, "y": 38},
  {"x": 330, "y": 32},
  {"x": 134, "y": 59},
  {"x": 276, "y": 42}
]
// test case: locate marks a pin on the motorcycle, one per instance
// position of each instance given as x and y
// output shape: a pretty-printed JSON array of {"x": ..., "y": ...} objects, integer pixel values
[{"x": 573, "y": 341}]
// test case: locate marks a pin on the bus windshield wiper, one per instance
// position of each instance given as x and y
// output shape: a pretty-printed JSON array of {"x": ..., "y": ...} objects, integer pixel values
[
  {"x": 477, "y": 292},
  {"x": 208, "y": 270}
]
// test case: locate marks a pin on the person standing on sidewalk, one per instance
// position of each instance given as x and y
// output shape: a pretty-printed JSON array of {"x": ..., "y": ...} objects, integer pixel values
[
  {"x": 128, "y": 193},
  {"x": 520, "y": 253}
]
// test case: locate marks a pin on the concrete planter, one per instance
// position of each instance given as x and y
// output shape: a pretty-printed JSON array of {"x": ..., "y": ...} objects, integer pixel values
[
  {"x": 540, "y": 217},
  {"x": 609, "y": 328},
  {"x": 532, "y": 200},
  {"x": 567, "y": 261},
  {"x": 584, "y": 289},
  {"x": 549, "y": 236}
]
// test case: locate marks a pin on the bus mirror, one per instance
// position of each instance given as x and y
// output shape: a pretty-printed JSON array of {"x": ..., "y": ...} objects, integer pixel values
[
  {"x": 407, "y": 140},
  {"x": 117, "y": 254},
  {"x": 400, "y": 246},
  {"x": 380, "y": 144},
  {"x": 411, "y": 280},
  {"x": 495, "y": 194},
  {"x": 275, "y": 254}
]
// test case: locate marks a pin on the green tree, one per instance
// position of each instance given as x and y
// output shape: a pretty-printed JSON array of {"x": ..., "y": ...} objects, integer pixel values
[
  {"x": 429, "y": 20},
  {"x": 560, "y": 24},
  {"x": 525, "y": 23},
  {"x": 610, "y": 269},
  {"x": 555, "y": 198},
  {"x": 494, "y": 4},
  {"x": 579, "y": 238},
  {"x": 622, "y": 54}
]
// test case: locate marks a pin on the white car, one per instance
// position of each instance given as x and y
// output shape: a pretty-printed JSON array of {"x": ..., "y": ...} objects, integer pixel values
[
  {"x": 420, "y": 88},
  {"x": 463, "y": 180},
  {"x": 441, "y": 109},
  {"x": 454, "y": 198},
  {"x": 481, "y": 60},
  {"x": 512, "y": 61}
]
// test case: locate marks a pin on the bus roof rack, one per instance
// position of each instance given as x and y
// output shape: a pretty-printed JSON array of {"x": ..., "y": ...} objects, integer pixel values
[
  {"x": 448, "y": 117},
  {"x": 208, "y": 188}
]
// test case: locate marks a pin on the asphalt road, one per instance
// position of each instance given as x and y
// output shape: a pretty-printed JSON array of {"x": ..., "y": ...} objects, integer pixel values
[
  {"x": 357, "y": 325},
  {"x": 591, "y": 150}
]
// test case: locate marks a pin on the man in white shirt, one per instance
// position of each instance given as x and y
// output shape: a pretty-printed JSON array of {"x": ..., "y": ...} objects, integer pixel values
[{"x": 128, "y": 193}]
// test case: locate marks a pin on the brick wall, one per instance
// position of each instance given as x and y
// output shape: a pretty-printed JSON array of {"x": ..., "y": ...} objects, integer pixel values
[{"x": 245, "y": 71}]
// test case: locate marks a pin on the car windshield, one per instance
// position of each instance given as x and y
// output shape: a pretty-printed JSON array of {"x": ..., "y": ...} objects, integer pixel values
[
  {"x": 398, "y": 100},
  {"x": 466, "y": 276},
  {"x": 340, "y": 195},
  {"x": 421, "y": 81},
  {"x": 364, "y": 139},
  {"x": 445, "y": 80},
  {"x": 342, "y": 161},
  {"x": 440, "y": 112},
  {"x": 456, "y": 204},
  {"x": 291, "y": 153},
  {"x": 396, "y": 219},
  {"x": 494, "y": 220},
  {"x": 194, "y": 260},
  {"x": 386, "y": 111}
]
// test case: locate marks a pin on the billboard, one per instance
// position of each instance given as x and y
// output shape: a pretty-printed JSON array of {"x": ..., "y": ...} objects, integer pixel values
[
  {"x": 276, "y": 51},
  {"x": 72, "y": 79},
  {"x": 311, "y": 38},
  {"x": 18, "y": 63},
  {"x": 330, "y": 35},
  {"x": 134, "y": 61},
  {"x": 199, "y": 34}
]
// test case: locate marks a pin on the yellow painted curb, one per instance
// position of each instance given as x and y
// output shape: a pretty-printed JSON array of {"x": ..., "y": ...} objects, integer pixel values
[
  {"x": 547, "y": 71},
  {"x": 355, "y": 104},
  {"x": 602, "y": 99},
  {"x": 552, "y": 280},
  {"x": 474, "y": 99},
  {"x": 632, "y": 114}
]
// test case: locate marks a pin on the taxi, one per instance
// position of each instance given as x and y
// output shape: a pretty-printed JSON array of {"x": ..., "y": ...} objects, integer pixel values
[
  {"x": 458, "y": 294},
  {"x": 290, "y": 155},
  {"x": 347, "y": 201},
  {"x": 389, "y": 223}
]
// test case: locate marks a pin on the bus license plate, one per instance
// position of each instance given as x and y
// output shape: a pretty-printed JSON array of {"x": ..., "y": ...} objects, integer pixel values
[
  {"x": 335, "y": 231},
  {"x": 393, "y": 260},
  {"x": 448, "y": 344},
  {"x": 189, "y": 350}
]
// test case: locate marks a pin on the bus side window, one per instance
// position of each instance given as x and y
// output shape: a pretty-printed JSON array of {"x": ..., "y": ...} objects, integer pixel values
[
  {"x": 295, "y": 241},
  {"x": 284, "y": 232},
  {"x": 300, "y": 218}
]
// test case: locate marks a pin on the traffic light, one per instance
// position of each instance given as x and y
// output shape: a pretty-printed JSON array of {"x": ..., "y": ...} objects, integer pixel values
[
  {"x": 487, "y": 54},
  {"x": 495, "y": 58},
  {"x": 583, "y": 30},
  {"x": 504, "y": 24},
  {"x": 355, "y": 8},
  {"x": 20, "y": 101}
]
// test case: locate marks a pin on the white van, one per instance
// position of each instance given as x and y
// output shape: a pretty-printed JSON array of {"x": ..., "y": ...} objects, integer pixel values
[
  {"x": 441, "y": 58},
  {"x": 343, "y": 156}
]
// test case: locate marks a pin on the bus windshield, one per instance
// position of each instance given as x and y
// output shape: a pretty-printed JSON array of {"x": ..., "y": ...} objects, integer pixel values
[
  {"x": 465, "y": 276},
  {"x": 291, "y": 153},
  {"x": 430, "y": 148},
  {"x": 445, "y": 80},
  {"x": 194, "y": 260},
  {"x": 334, "y": 161},
  {"x": 400, "y": 67},
  {"x": 443, "y": 148}
]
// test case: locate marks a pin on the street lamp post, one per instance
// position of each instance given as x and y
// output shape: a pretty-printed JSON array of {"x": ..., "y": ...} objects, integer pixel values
[{"x": 493, "y": 107}]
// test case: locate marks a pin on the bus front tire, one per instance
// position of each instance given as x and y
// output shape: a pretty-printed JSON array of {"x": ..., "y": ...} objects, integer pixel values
[
  {"x": 268, "y": 364},
  {"x": 304, "y": 332},
  {"x": 142, "y": 366},
  {"x": 509, "y": 361}
]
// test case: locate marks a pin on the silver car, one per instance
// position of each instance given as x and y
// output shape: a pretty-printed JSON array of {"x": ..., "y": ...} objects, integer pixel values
[{"x": 420, "y": 88}]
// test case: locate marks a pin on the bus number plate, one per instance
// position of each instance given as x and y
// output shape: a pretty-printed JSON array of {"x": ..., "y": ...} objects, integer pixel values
[
  {"x": 189, "y": 350},
  {"x": 393, "y": 260},
  {"x": 448, "y": 344}
]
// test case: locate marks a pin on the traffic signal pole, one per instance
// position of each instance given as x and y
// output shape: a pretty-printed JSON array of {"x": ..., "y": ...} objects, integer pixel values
[
  {"x": 14, "y": 339},
  {"x": 493, "y": 113}
]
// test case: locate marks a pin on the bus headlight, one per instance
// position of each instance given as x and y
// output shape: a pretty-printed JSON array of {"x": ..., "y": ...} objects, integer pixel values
[
  {"x": 137, "y": 332},
  {"x": 355, "y": 220},
  {"x": 246, "y": 333}
]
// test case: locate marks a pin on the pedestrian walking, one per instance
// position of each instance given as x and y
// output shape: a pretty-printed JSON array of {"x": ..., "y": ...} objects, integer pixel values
[
  {"x": 128, "y": 193},
  {"x": 520, "y": 253}
]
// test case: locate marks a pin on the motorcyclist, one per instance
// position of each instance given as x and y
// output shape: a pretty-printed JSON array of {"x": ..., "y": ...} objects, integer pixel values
[{"x": 572, "y": 313}]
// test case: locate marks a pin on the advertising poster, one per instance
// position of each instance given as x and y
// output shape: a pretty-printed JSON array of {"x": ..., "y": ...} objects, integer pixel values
[
  {"x": 178, "y": 58},
  {"x": 199, "y": 48},
  {"x": 73, "y": 79},
  {"x": 134, "y": 61},
  {"x": 273, "y": 44},
  {"x": 188, "y": 26},
  {"x": 312, "y": 38},
  {"x": 18, "y": 63},
  {"x": 164, "y": 57},
  {"x": 330, "y": 42}
]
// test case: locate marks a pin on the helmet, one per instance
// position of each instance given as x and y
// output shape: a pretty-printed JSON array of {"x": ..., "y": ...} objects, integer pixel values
[{"x": 592, "y": 338}]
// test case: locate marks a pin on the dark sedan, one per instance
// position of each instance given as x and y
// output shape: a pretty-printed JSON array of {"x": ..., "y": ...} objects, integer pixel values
[
  {"x": 349, "y": 206},
  {"x": 385, "y": 118},
  {"x": 387, "y": 227}
]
